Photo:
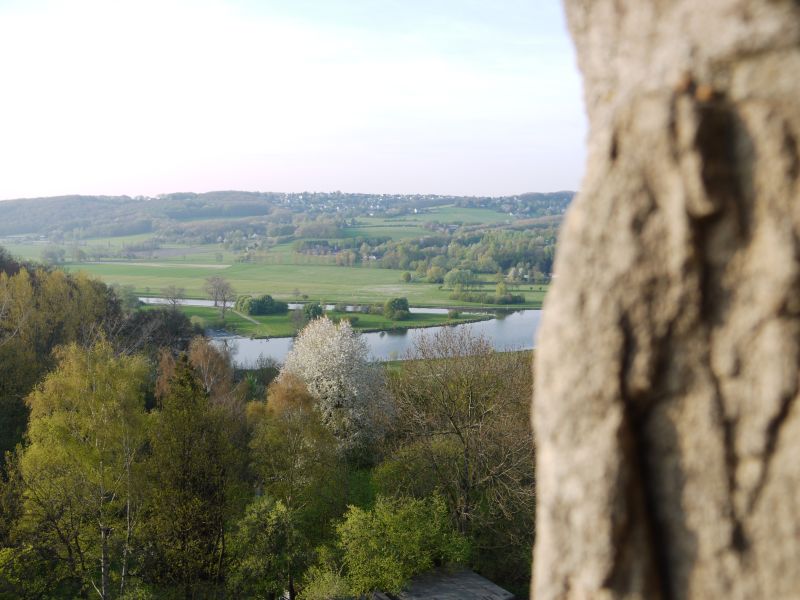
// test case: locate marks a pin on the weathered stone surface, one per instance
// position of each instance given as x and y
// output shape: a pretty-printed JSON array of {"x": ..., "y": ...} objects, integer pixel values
[{"x": 666, "y": 410}]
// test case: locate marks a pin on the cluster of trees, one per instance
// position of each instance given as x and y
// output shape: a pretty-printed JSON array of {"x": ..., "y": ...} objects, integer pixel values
[
  {"x": 220, "y": 291},
  {"x": 529, "y": 252},
  {"x": 261, "y": 305},
  {"x": 147, "y": 472},
  {"x": 43, "y": 308},
  {"x": 396, "y": 309},
  {"x": 467, "y": 288},
  {"x": 524, "y": 255}
]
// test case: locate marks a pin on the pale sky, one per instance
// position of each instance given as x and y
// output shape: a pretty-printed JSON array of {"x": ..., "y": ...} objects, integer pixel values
[{"x": 141, "y": 97}]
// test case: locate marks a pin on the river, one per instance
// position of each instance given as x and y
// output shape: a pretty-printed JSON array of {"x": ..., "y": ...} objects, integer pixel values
[{"x": 515, "y": 330}]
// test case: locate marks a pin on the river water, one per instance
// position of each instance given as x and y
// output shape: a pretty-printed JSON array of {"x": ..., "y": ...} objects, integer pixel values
[
  {"x": 294, "y": 305},
  {"x": 515, "y": 330}
]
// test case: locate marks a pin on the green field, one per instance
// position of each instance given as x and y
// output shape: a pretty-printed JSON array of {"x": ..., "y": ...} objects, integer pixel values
[
  {"x": 279, "y": 270},
  {"x": 28, "y": 251},
  {"x": 282, "y": 325},
  {"x": 326, "y": 283}
]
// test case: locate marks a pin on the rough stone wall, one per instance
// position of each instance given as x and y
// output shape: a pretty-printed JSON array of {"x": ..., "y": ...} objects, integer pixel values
[{"x": 666, "y": 409}]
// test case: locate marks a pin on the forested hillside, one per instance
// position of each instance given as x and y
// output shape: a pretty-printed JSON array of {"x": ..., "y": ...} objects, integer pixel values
[{"x": 82, "y": 217}]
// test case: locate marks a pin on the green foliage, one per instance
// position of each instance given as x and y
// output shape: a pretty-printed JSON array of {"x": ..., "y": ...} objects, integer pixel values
[
  {"x": 296, "y": 461},
  {"x": 81, "y": 466},
  {"x": 485, "y": 298},
  {"x": 168, "y": 495},
  {"x": 385, "y": 547},
  {"x": 325, "y": 583},
  {"x": 360, "y": 488},
  {"x": 415, "y": 469},
  {"x": 396, "y": 309},
  {"x": 33, "y": 573},
  {"x": 313, "y": 310},
  {"x": 435, "y": 274},
  {"x": 53, "y": 255},
  {"x": 190, "y": 471},
  {"x": 295, "y": 456},
  {"x": 262, "y": 551},
  {"x": 459, "y": 278},
  {"x": 465, "y": 434},
  {"x": 40, "y": 310},
  {"x": 266, "y": 305},
  {"x": 243, "y": 304}
]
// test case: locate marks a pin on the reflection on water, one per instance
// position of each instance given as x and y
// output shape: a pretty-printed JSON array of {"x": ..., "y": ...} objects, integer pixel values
[
  {"x": 509, "y": 330},
  {"x": 513, "y": 330}
]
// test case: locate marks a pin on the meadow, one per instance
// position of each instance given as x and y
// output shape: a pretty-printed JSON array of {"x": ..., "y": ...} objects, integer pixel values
[
  {"x": 325, "y": 283},
  {"x": 283, "y": 272}
]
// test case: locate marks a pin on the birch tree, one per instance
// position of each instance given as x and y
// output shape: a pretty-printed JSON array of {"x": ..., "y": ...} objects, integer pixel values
[{"x": 81, "y": 486}]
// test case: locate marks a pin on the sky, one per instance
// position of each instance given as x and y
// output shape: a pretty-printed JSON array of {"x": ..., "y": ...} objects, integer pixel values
[{"x": 142, "y": 97}]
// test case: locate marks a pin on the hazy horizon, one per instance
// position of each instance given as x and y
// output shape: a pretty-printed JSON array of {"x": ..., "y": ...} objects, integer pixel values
[
  {"x": 447, "y": 97},
  {"x": 346, "y": 192}
]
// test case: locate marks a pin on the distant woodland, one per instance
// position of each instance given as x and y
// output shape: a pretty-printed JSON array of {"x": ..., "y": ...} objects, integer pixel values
[{"x": 515, "y": 235}]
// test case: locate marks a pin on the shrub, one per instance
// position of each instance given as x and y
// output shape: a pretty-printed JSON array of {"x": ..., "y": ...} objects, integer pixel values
[
  {"x": 485, "y": 298},
  {"x": 243, "y": 304},
  {"x": 267, "y": 305},
  {"x": 396, "y": 309},
  {"x": 313, "y": 310}
]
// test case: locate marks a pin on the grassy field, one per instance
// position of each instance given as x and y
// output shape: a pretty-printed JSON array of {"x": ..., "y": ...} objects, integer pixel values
[
  {"x": 282, "y": 325},
  {"x": 280, "y": 270},
  {"x": 24, "y": 251},
  {"x": 318, "y": 282}
]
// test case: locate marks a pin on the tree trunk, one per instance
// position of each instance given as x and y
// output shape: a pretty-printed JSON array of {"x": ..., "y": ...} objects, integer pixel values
[
  {"x": 667, "y": 425},
  {"x": 104, "y": 589}
]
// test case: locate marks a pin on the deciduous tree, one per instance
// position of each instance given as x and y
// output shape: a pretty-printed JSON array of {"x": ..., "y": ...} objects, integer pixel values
[
  {"x": 332, "y": 361},
  {"x": 220, "y": 291},
  {"x": 80, "y": 470},
  {"x": 189, "y": 499},
  {"x": 384, "y": 547},
  {"x": 462, "y": 429}
]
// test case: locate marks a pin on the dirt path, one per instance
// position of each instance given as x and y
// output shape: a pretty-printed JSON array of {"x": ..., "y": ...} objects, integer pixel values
[{"x": 245, "y": 317}]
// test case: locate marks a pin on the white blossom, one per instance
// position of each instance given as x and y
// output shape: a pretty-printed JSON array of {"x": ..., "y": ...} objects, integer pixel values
[{"x": 333, "y": 361}]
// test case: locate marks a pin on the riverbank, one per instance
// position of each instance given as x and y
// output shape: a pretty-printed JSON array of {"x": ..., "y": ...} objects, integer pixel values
[
  {"x": 281, "y": 326},
  {"x": 506, "y": 332}
]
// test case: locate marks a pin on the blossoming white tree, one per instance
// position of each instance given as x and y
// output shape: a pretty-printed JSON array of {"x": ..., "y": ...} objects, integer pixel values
[{"x": 333, "y": 361}]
